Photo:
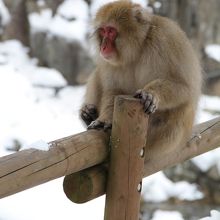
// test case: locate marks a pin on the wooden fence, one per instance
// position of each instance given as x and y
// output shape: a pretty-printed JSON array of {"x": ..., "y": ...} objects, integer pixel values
[{"x": 84, "y": 161}]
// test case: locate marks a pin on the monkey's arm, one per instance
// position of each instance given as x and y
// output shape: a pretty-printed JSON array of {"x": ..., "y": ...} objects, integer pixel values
[
  {"x": 169, "y": 94},
  {"x": 104, "y": 121},
  {"x": 90, "y": 108},
  {"x": 163, "y": 94},
  {"x": 93, "y": 89}
]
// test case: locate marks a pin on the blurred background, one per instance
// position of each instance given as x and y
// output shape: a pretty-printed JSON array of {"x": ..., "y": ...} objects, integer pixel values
[{"x": 45, "y": 60}]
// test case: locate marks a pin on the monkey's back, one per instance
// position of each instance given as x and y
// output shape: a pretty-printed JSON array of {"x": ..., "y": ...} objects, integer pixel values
[{"x": 171, "y": 51}]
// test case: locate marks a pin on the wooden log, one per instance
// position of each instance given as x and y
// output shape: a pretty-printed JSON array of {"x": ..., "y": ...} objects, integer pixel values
[
  {"x": 93, "y": 180},
  {"x": 128, "y": 141},
  {"x": 205, "y": 137},
  {"x": 28, "y": 168}
]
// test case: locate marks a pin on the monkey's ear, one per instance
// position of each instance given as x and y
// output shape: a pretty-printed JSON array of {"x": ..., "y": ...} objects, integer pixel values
[{"x": 141, "y": 14}]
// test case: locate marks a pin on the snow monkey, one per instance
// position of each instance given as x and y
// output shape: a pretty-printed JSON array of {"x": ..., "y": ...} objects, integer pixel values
[{"x": 148, "y": 57}]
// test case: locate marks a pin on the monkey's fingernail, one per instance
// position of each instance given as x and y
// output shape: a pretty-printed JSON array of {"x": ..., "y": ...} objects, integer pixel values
[
  {"x": 154, "y": 109},
  {"x": 107, "y": 127},
  {"x": 149, "y": 96},
  {"x": 147, "y": 104}
]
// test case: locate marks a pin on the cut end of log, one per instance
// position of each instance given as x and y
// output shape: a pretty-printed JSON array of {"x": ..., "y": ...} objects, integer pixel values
[{"x": 82, "y": 187}]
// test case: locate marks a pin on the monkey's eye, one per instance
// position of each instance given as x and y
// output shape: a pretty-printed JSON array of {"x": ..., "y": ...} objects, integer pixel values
[
  {"x": 112, "y": 33},
  {"x": 102, "y": 32},
  {"x": 108, "y": 31}
]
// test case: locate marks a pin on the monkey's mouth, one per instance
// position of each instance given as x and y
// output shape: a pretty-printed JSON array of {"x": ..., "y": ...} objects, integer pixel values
[
  {"x": 107, "y": 49},
  {"x": 107, "y": 56}
]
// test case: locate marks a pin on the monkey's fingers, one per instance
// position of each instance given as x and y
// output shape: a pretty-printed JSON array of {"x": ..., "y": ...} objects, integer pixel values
[
  {"x": 107, "y": 126},
  {"x": 138, "y": 94},
  {"x": 86, "y": 117},
  {"x": 89, "y": 113},
  {"x": 148, "y": 100},
  {"x": 151, "y": 109},
  {"x": 96, "y": 125},
  {"x": 150, "y": 105},
  {"x": 99, "y": 125},
  {"x": 91, "y": 109}
]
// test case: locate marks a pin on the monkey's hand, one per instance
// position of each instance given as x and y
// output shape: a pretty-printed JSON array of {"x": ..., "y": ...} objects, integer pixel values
[
  {"x": 100, "y": 125},
  {"x": 149, "y": 101},
  {"x": 88, "y": 113}
]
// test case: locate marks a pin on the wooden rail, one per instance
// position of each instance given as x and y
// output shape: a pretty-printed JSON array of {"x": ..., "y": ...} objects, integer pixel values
[
  {"x": 28, "y": 168},
  {"x": 92, "y": 184}
]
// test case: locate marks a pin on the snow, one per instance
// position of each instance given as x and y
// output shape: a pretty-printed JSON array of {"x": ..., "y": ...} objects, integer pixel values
[
  {"x": 77, "y": 9},
  {"x": 71, "y": 17},
  {"x": 4, "y": 13},
  {"x": 207, "y": 105},
  {"x": 213, "y": 51},
  {"x": 40, "y": 21},
  {"x": 157, "y": 188},
  {"x": 157, "y": 5},
  {"x": 29, "y": 113},
  {"x": 171, "y": 215},
  {"x": 47, "y": 202},
  {"x": 39, "y": 145},
  {"x": 207, "y": 160},
  {"x": 47, "y": 77},
  {"x": 41, "y": 3},
  {"x": 215, "y": 215}
]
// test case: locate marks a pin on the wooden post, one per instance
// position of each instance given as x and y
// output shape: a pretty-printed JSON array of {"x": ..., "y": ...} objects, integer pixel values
[
  {"x": 205, "y": 137},
  {"x": 128, "y": 142}
]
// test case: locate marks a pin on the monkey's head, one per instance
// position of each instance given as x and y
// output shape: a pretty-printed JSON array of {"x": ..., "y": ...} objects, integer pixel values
[{"x": 121, "y": 28}]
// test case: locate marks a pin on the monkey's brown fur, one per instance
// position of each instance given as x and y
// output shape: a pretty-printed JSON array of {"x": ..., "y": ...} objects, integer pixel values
[{"x": 154, "y": 55}]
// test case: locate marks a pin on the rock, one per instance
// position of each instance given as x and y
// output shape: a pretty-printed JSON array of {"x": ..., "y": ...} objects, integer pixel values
[
  {"x": 13, "y": 145},
  {"x": 68, "y": 57},
  {"x": 208, "y": 182},
  {"x": 18, "y": 26},
  {"x": 212, "y": 75},
  {"x": 213, "y": 173},
  {"x": 187, "y": 171},
  {"x": 192, "y": 17},
  {"x": 189, "y": 210},
  {"x": 38, "y": 47}
]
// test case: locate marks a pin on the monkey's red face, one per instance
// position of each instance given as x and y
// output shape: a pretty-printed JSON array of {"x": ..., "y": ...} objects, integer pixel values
[{"x": 108, "y": 35}]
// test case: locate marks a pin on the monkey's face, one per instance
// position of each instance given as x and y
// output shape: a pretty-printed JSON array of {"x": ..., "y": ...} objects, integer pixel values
[
  {"x": 107, "y": 37},
  {"x": 121, "y": 28}
]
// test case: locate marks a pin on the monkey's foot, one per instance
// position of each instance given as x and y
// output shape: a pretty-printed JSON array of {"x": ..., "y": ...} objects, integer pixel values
[
  {"x": 148, "y": 100},
  {"x": 100, "y": 125},
  {"x": 89, "y": 113}
]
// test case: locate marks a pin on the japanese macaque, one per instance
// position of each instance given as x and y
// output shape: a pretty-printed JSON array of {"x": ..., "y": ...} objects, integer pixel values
[{"x": 148, "y": 57}]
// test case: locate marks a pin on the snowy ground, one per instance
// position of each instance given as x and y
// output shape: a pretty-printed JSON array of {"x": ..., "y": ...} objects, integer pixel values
[
  {"x": 29, "y": 113},
  {"x": 33, "y": 109}
]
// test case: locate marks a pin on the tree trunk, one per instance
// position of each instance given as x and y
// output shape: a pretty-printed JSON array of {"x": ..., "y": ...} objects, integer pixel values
[{"x": 18, "y": 27}]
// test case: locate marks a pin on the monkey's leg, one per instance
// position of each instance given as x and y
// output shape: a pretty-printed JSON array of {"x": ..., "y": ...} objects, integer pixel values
[
  {"x": 168, "y": 94},
  {"x": 163, "y": 95},
  {"x": 168, "y": 129}
]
